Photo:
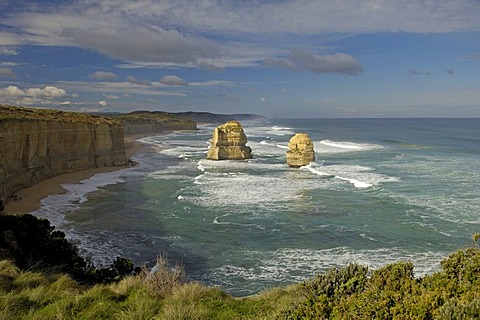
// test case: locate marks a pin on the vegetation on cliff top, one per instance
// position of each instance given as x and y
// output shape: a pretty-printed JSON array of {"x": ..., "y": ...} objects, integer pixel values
[
  {"x": 21, "y": 113},
  {"x": 352, "y": 292},
  {"x": 159, "y": 116}
]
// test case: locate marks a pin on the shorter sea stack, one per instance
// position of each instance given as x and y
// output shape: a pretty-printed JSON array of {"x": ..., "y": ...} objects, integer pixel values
[
  {"x": 300, "y": 151},
  {"x": 228, "y": 143}
]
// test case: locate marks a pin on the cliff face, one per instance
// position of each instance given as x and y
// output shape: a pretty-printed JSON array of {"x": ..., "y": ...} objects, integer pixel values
[
  {"x": 39, "y": 144},
  {"x": 300, "y": 151},
  {"x": 229, "y": 143}
]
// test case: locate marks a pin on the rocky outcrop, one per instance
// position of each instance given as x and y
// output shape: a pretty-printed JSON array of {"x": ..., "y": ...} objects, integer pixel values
[
  {"x": 229, "y": 143},
  {"x": 37, "y": 144},
  {"x": 300, "y": 151}
]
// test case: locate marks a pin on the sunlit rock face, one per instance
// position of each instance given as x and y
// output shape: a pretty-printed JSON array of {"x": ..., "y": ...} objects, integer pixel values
[
  {"x": 229, "y": 143},
  {"x": 300, "y": 151},
  {"x": 37, "y": 144}
]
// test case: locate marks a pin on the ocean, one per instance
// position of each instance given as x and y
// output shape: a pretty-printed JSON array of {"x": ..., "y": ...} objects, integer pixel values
[{"x": 380, "y": 191}]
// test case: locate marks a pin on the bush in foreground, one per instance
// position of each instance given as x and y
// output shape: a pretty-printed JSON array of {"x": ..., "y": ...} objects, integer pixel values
[
  {"x": 34, "y": 244},
  {"x": 352, "y": 292}
]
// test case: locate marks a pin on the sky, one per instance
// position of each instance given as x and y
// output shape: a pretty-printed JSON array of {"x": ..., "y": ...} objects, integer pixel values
[{"x": 277, "y": 58}]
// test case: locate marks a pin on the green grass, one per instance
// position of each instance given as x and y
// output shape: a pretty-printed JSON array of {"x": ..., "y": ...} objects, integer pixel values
[
  {"x": 391, "y": 292},
  {"x": 32, "y": 287},
  {"x": 26, "y": 114}
]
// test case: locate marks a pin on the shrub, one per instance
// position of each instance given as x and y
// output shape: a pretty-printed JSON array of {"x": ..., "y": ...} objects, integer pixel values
[
  {"x": 324, "y": 290},
  {"x": 32, "y": 243}
]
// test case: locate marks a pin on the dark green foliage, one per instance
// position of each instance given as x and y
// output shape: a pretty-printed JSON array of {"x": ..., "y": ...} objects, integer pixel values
[
  {"x": 463, "y": 267},
  {"x": 392, "y": 292},
  {"x": 117, "y": 270},
  {"x": 323, "y": 292},
  {"x": 34, "y": 244}
]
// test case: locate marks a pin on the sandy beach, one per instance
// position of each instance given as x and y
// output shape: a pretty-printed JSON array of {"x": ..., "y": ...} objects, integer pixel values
[{"x": 28, "y": 200}]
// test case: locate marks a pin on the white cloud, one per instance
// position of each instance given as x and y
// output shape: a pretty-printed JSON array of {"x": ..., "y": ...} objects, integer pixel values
[
  {"x": 212, "y": 83},
  {"x": 7, "y": 73},
  {"x": 7, "y": 51},
  {"x": 124, "y": 88},
  {"x": 49, "y": 92},
  {"x": 184, "y": 33},
  {"x": 31, "y": 96},
  {"x": 102, "y": 75},
  {"x": 103, "y": 103},
  {"x": 328, "y": 100},
  {"x": 133, "y": 80},
  {"x": 172, "y": 80},
  {"x": 301, "y": 60},
  {"x": 139, "y": 43},
  {"x": 111, "y": 96},
  {"x": 9, "y": 64},
  {"x": 304, "y": 16}
]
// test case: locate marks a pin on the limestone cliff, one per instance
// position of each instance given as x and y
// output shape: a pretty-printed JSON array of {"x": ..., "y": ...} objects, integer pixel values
[
  {"x": 300, "y": 150},
  {"x": 229, "y": 143},
  {"x": 36, "y": 144}
]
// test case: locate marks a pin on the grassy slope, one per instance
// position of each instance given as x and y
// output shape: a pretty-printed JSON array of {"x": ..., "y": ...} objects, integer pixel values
[
  {"x": 388, "y": 293},
  {"x": 19, "y": 113},
  {"x": 159, "y": 116}
]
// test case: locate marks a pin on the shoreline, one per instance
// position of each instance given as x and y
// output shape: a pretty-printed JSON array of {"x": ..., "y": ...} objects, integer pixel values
[{"x": 29, "y": 199}]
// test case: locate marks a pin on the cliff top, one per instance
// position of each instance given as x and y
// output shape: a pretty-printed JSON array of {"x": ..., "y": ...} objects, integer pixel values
[
  {"x": 207, "y": 117},
  {"x": 152, "y": 115},
  {"x": 21, "y": 113}
]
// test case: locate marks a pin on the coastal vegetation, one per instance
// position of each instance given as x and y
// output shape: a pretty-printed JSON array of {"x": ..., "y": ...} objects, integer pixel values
[
  {"x": 28, "y": 114},
  {"x": 149, "y": 122},
  {"x": 42, "y": 276}
]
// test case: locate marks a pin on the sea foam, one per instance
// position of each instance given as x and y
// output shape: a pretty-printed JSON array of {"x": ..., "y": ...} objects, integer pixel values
[
  {"x": 56, "y": 206},
  {"x": 359, "y": 176},
  {"x": 328, "y": 146},
  {"x": 294, "y": 265}
]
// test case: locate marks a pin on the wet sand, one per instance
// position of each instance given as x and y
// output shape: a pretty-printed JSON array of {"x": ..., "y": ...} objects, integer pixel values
[{"x": 28, "y": 200}]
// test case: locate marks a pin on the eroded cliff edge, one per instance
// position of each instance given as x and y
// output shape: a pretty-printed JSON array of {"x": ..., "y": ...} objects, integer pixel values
[{"x": 36, "y": 144}]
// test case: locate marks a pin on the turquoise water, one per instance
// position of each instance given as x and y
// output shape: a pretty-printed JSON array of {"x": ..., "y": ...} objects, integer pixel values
[{"x": 381, "y": 190}]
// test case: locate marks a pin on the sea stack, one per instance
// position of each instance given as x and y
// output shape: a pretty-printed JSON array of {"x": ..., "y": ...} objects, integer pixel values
[
  {"x": 228, "y": 143},
  {"x": 300, "y": 151}
]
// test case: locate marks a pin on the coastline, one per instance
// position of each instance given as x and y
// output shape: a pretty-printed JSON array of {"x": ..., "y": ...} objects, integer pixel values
[{"x": 29, "y": 199}]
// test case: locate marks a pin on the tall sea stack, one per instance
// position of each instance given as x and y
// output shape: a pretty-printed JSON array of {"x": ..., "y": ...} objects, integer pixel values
[
  {"x": 300, "y": 151},
  {"x": 229, "y": 143}
]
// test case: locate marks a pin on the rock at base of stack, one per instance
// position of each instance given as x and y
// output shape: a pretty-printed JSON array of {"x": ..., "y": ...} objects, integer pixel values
[
  {"x": 228, "y": 143},
  {"x": 300, "y": 151}
]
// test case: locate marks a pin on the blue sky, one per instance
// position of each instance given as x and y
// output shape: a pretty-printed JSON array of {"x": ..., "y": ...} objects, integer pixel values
[{"x": 297, "y": 58}]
